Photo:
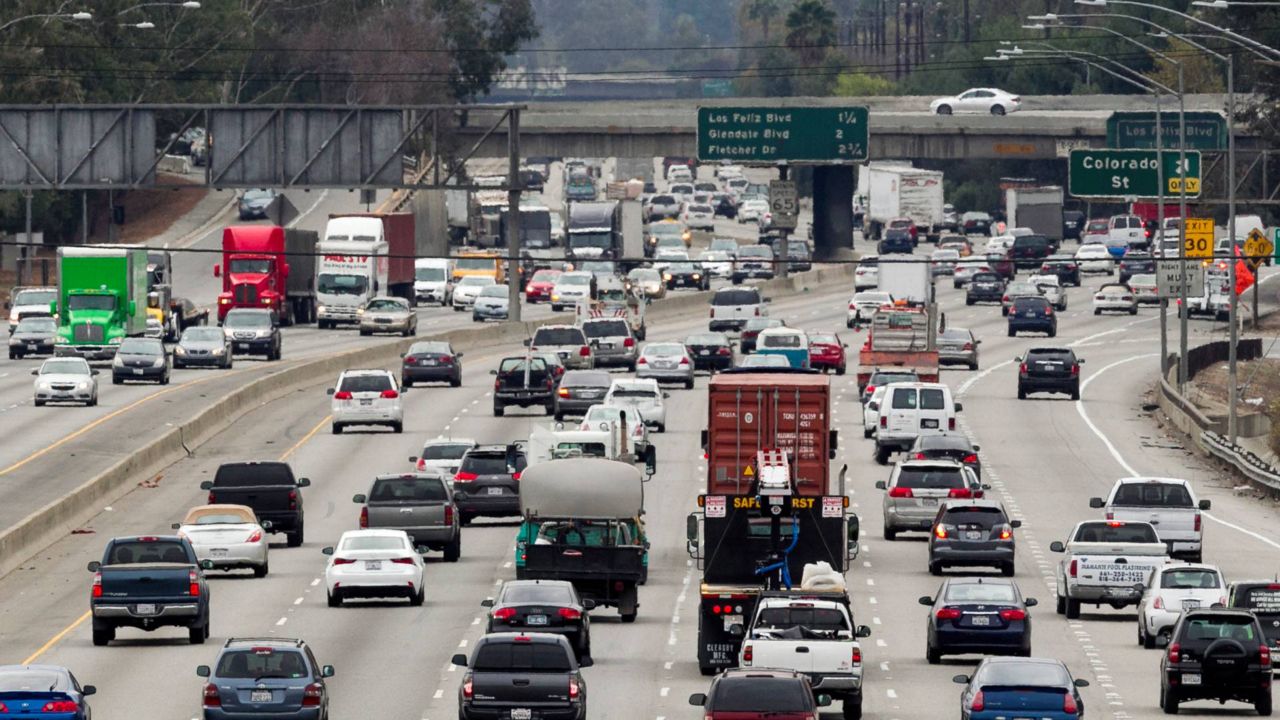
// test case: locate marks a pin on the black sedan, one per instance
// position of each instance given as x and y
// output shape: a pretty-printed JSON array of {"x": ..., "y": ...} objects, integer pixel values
[
  {"x": 977, "y": 615},
  {"x": 140, "y": 359},
  {"x": 725, "y": 206},
  {"x": 1136, "y": 263},
  {"x": 1064, "y": 266},
  {"x": 948, "y": 446},
  {"x": 545, "y": 606},
  {"x": 984, "y": 287},
  {"x": 33, "y": 336},
  {"x": 431, "y": 361},
  {"x": 971, "y": 533},
  {"x": 710, "y": 351},
  {"x": 686, "y": 275}
]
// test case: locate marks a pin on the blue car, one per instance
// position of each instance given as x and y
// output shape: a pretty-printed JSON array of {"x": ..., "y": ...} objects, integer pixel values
[
  {"x": 47, "y": 692},
  {"x": 1005, "y": 687},
  {"x": 1030, "y": 313},
  {"x": 977, "y": 615},
  {"x": 265, "y": 677},
  {"x": 895, "y": 241}
]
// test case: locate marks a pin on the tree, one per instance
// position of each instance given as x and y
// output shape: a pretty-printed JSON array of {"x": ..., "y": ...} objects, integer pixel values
[
  {"x": 811, "y": 30},
  {"x": 1201, "y": 73},
  {"x": 763, "y": 12}
]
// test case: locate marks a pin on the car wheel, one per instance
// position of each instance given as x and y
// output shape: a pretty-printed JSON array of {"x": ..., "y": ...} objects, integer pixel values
[
  {"x": 944, "y": 110},
  {"x": 164, "y": 379},
  {"x": 890, "y": 534},
  {"x": 1073, "y": 609},
  {"x": 868, "y": 432},
  {"x": 334, "y": 600},
  {"x": 39, "y": 403},
  {"x": 973, "y": 366},
  {"x": 848, "y": 324},
  {"x": 103, "y": 635},
  {"x": 556, "y": 308},
  {"x": 932, "y": 655},
  {"x": 261, "y": 572},
  {"x": 453, "y": 550},
  {"x": 337, "y": 429},
  {"x": 1145, "y": 640},
  {"x": 968, "y": 301},
  {"x": 196, "y": 635},
  {"x": 882, "y": 455},
  {"x": 1012, "y": 332},
  {"x": 406, "y": 383},
  {"x": 852, "y": 708},
  {"x": 935, "y": 568},
  {"x": 397, "y": 427},
  {"x": 1075, "y": 395},
  {"x": 419, "y": 597},
  {"x": 997, "y": 110},
  {"x": 840, "y": 370},
  {"x": 662, "y": 427},
  {"x": 116, "y": 381},
  {"x": 1053, "y": 332},
  {"x": 93, "y": 401},
  {"x": 688, "y": 384},
  {"x": 1168, "y": 700},
  {"x": 1007, "y": 569},
  {"x": 1133, "y": 311},
  {"x": 1263, "y": 705}
]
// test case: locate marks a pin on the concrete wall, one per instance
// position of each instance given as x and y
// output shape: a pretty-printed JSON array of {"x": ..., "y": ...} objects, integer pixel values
[{"x": 431, "y": 223}]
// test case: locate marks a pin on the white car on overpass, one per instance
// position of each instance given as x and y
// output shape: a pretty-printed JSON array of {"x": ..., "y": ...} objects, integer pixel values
[{"x": 977, "y": 100}]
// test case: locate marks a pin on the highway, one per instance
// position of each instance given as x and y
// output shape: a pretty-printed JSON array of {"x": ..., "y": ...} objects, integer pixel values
[{"x": 1045, "y": 457}]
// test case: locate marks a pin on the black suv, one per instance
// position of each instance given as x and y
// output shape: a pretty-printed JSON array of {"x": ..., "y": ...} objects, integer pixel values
[
  {"x": 488, "y": 482},
  {"x": 984, "y": 287},
  {"x": 1216, "y": 654},
  {"x": 1072, "y": 224},
  {"x": 1136, "y": 263},
  {"x": 525, "y": 381},
  {"x": 1029, "y": 251},
  {"x": 1064, "y": 266},
  {"x": 1053, "y": 370},
  {"x": 509, "y": 672}
]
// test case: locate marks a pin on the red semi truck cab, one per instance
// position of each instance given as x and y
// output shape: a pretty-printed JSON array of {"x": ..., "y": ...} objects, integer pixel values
[{"x": 270, "y": 267}]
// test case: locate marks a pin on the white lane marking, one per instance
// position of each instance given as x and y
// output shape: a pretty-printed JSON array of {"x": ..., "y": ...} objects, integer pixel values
[
  {"x": 298, "y": 601},
  {"x": 282, "y": 621},
  {"x": 462, "y": 643},
  {"x": 881, "y": 643},
  {"x": 475, "y": 621},
  {"x": 892, "y": 695},
  {"x": 964, "y": 387},
  {"x": 664, "y": 691},
  {"x": 315, "y": 582},
  {"x": 319, "y": 199},
  {"x": 439, "y": 694}
]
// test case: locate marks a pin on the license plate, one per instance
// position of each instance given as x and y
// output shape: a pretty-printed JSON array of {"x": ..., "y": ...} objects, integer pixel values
[
  {"x": 927, "y": 423},
  {"x": 495, "y": 491},
  {"x": 535, "y": 620},
  {"x": 33, "y": 347},
  {"x": 1190, "y": 678},
  {"x": 704, "y": 352},
  {"x": 372, "y": 564},
  {"x": 972, "y": 535},
  {"x": 429, "y": 363},
  {"x": 260, "y": 696},
  {"x": 218, "y": 552},
  {"x": 137, "y": 371},
  {"x": 366, "y": 401},
  {"x": 1190, "y": 604},
  {"x": 980, "y": 620},
  {"x": 562, "y": 355},
  {"x": 731, "y": 620},
  {"x": 1029, "y": 313},
  {"x": 521, "y": 714},
  {"x": 928, "y": 501},
  {"x": 147, "y": 609}
]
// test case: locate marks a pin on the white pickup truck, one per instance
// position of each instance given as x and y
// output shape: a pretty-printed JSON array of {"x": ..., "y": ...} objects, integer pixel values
[
  {"x": 1169, "y": 504},
  {"x": 810, "y": 632},
  {"x": 1108, "y": 561}
]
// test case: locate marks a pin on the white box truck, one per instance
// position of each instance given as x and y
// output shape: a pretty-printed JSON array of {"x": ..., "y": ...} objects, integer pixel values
[
  {"x": 906, "y": 280},
  {"x": 894, "y": 190},
  {"x": 1038, "y": 208}
]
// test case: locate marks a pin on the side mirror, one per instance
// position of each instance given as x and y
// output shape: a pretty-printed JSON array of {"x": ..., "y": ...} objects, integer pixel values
[
  {"x": 736, "y": 630},
  {"x": 328, "y": 391},
  {"x": 403, "y": 354},
  {"x": 1081, "y": 682},
  {"x": 327, "y": 671},
  {"x": 460, "y": 660},
  {"x": 458, "y": 355},
  {"x": 493, "y": 372},
  {"x": 1015, "y": 524},
  {"x": 1205, "y": 504},
  {"x": 854, "y": 528},
  {"x": 206, "y": 485},
  {"x": 327, "y": 551},
  {"x": 960, "y": 679},
  {"x": 925, "y": 600},
  {"x": 88, "y": 690},
  {"x": 1079, "y": 361},
  {"x": 986, "y": 486},
  {"x": 1096, "y": 503},
  {"x": 588, "y": 604},
  {"x": 35, "y": 372},
  {"x": 881, "y": 485},
  {"x": 874, "y": 406},
  {"x": 822, "y": 700},
  {"x": 359, "y": 499},
  {"x": 698, "y": 699},
  {"x": 487, "y": 602},
  {"x": 666, "y": 395},
  {"x": 650, "y": 461},
  {"x": 959, "y": 407},
  {"x": 175, "y": 526},
  {"x": 94, "y": 566},
  {"x": 206, "y": 564},
  {"x": 267, "y": 524},
  {"x": 93, "y": 372},
  {"x": 1017, "y": 358},
  {"x": 413, "y": 458},
  {"x": 422, "y": 549},
  {"x": 977, "y": 448},
  {"x": 863, "y": 631},
  {"x": 1057, "y": 546},
  {"x": 304, "y": 482},
  {"x": 691, "y": 527},
  {"x": 201, "y": 670},
  {"x": 1030, "y": 602}
]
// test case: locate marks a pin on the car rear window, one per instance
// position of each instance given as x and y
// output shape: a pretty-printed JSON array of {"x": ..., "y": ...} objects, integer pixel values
[
  {"x": 520, "y": 657},
  {"x": 1213, "y": 627},
  {"x": 261, "y": 663},
  {"x": 927, "y": 399},
  {"x": 489, "y": 463},
  {"x": 736, "y": 297},
  {"x": 1116, "y": 532},
  {"x": 886, "y": 378},
  {"x": 761, "y": 695},
  {"x": 986, "y": 517},
  {"x": 1023, "y": 674},
  {"x": 980, "y": 592},
  {"x": 529, "y": 593},
  {"x": 251, "y": 474},
  {"x": 606, "y": 328},
  {"x": 1152, "y": 495},
  {"x": 365, "y": 383},
  {"x": 147, "y": 551},
  {"x": 811, "y": 619},
  {"x": 586, "y": 378},
  {"x": 1063, "y": 356},
  {"x": 512, "y": 365},
  {"x": 930, "y": 478},
  {"x": 30, "y": 681},
  {"x": 904, "y": 399},
  {"x": 559, "y": 336},
  {"x": 1260, "y": 598},
  {"x": 408, "y": 490},
  {"x": 1029, "y": 303},
  {"x": 985, "y": 277},
  {"x": 1033, "y": 242},
  {"x": 1190, "y": 579},
  {"x": 445, "y": 452}
]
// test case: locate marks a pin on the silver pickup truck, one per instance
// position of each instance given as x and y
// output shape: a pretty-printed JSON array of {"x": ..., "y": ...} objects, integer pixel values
[
  {"x": 421, "y": 504},
  {"x": 1108, "y": 561},
  {"x": 1169, "y": 504}
]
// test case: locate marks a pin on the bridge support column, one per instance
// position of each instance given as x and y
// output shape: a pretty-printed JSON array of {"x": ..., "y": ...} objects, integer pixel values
[{"x": 832, "y": 211}]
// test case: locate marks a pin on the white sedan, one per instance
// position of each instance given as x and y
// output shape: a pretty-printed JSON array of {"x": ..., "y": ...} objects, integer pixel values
[
  {"x": 867, "y": 274},
  {"x": 1114, "y": 297},
  {"x": 863, "y": 305},
  {"x": 871, "y": 412},
  {"x": 642, "y": 394},
  {"x": 1095, "y": 257},
  {"x": 699, "y": 216},
  {"x": 229, "y": 536},
  {"x": 374, "y": 564},
  {"x": 1177, "y": 588},
  {"x": 751, "y": 210},
  {"x": 977, "y": 100},
  {"x": 66, "y": 379}
]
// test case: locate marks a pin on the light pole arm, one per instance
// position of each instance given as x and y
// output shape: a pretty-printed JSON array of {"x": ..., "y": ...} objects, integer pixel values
[{"x": 1271, "y": 52}]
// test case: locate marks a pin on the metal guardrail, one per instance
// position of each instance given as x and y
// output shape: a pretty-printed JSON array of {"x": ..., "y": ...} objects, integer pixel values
[{"x": 1242, "y": 458}]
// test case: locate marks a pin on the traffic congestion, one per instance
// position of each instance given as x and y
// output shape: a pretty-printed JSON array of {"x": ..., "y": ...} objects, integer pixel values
[{"x": 685, "y": 486}]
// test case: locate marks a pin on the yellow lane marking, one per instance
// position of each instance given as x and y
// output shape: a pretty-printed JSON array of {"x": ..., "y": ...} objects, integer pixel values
[
  {"x": 305, "y": 438},
  {"x": 54, "y": 640}
]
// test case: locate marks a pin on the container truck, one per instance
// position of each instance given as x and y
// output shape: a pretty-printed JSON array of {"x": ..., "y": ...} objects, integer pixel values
[
  {"x": 771, "y": 505},
  {"x": 271, "y": 267},
  {"x": 535, "y": 228},
  {"x": 102, "y": 299},
  {"x": 1038, "y": 208},
  {"x": 892, "y": 191},
  {"x": 361, "y": 256},
  {"x": 595, "y": 230}
]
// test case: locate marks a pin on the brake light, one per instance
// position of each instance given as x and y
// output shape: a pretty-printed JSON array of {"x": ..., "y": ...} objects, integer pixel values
[
  {"x": 390, "y": 394},
  {"x": 968, "y": 346},
  {"x": 940, "y": 531},
  {"x": 193, "y": 583},
  {"x": 951, "y": 423},
  {"x": 570, "y": 614},
  {"x": 1022, "y": 368},
  {"x": 410, "y": 360},
  {"x": 515, "y": 475},
  {"x": 312, "y": 694},
  {"x": 684, "y": 361},
  {"x": 504, "y": 613},
  {"x": 573, "y": 689},
  {"x": 959, "y": 493},
  {"x": 1048, "y": 311},
  {"x": 256, "y": 536},
  {"x": 1006, "y": 532},
  {"x": 211, "y": 696},
  {"x": 293, "y": 499},
  {"x": 466, "y": 689},
  {"x": 970, "y": 459},
  {"x": 852, "y": 306},
  {"x": 463, "y": 476},
  {"x": 60, "y": 706},
  {"x": 919, "y": 456},
  {"x": 1013, "y": 614},
  {"x": 1175, "y": 652},
  {"x": 978, "y": 704},
  {"x": 724, "y": 351},
  {"x": 747, "y": 654},
  {"x": 1197, "y": 523},
  {"x": 1264, "y": 656},
  {"x": 713, "y": 312},
  {"x": 629, "y": 342},
  {"x": 342, "y": 395},
  {"x": 211, "y": 498},
  {"x": 1075, "y": 369},
  {"x": 584, "y": 351},
  {"x": 757, "y": 312},
  {"x": 448, "y": 515},
  {"x": 1072, "y": 569},
  {"x": 642, "y": 361},
  {"x": 402, "y": 561},
  {"x": 343, "y": 561},
  {"x": 97, "y": 585},
  {"x": 900, "y": 492},
  {"x": 1159, "y": 603},
  {"x": 1069, "y": 704},
  {"x": 884, "y": 421},
  {"x": 1004, "y": 299},
  {"x": 855, "y": 656},
  {"x": 948, "y": 613}
]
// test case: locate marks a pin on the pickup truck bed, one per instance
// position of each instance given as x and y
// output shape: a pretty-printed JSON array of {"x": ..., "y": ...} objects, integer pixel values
[{"x": 1107, "y": 562}]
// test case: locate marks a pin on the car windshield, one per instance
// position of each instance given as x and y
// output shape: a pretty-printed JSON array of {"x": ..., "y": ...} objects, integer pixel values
[
  {"x": 35, "y": 297},
  {"x": 536, "y": 593},
  {"x": 586, "y": 378},
  {"x": 1152, "y": 495},
  {"x": 365, "y": 383},
  {"x": 251, "y": 319},
  {"x": 141, "y": 346},
  {"x": 494, "y": 291},
  {"x": 70, "y": 366},
  {"x": 724, "y": 298},
  {"x": 332, "y": 284},
  {"x": 28, "y": 680},
  {"x": 408, "y": 490},
  {"x": 956, "y": 334},
  {"x": 428, "y": 274},
  {"x": 930, "y": 478},
  {"x": 1189, "y": 579},
  {"x": 606, "y": 328},
  {"x": 558, "y": 336},
  {"x": 980, "y": 592},
  {"x": 36, "y": 325},
  {"x": 202, "y": 334},
  {"x": 260, "y": 663},
  {"x": 1022, "y": 674},
  {"x": 984, "y": 517},
  {"x": 249, "y": 266},
  {"x": 385, "y": 306},
  {"x": 372, "y": 542},
  {"x": 761, "y": 695},
  {"x": 91, "y": 302},
  {"x": 520, "y": 657}
]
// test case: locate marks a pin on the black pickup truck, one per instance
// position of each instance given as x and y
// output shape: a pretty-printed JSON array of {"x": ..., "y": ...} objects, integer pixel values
[
  {"x": 268, "y": 487},
  {"x": 147, "y": 582},
  {"x": 522, "y": 676},
  {"x": 523, "y": 381}
]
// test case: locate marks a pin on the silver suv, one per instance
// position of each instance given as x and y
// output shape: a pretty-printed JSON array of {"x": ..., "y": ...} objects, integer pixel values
[
  {"x": 611, "y": 341},
  {"x": 567, "y": 341},
  {"x": 915, "y": 489}
]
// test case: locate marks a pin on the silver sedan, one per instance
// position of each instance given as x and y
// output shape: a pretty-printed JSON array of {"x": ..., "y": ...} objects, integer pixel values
[
  {"x": 666, "y": 363},
  {"x": 388, "y": 315}
]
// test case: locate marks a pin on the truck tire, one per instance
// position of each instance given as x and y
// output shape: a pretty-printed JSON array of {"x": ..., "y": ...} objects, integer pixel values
[
  {"x": 453, "y": 550},
  {"x": 498, "y": 410},
  {"x": 1073, "y": 609},
  {"x": 294, "y": 538},
  {"x": 707, "y": 670},
  {"x": 628, "y": 604},
  {"x": 103, "y": 634},
  {"x": 1263, "y": 704},
  {"x": 1062, "y": 605},
  {"x": 397, "y": 428},
  {"x": 337, "y": 429},
  {"x": 890, "y": 534},
  {"x": 882, "y": 455},
  {"x": 852, "y": 708},
  {"x": 197, "y": 634}
]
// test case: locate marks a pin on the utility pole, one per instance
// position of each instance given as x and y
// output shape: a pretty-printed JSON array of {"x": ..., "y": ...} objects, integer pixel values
[
  {"x": 22, "y": 264},
  {"x": 1233, "y": 310},
  {"x": 513, "y": 215}
]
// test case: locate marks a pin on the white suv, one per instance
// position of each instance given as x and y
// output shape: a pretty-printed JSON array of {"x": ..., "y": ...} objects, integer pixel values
[{"x": 367, "y": 397}]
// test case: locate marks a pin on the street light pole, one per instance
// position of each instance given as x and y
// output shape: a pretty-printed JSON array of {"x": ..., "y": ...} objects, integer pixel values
[{"x": 49, "y": 16}]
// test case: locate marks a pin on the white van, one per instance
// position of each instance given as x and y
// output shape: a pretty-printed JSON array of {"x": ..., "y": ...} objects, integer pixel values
[
  {"x": 909, "y": 410},
  {"x": 433, "y": 280}
]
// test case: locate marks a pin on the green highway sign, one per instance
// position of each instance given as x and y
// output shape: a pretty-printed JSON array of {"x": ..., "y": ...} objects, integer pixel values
[
  {"x": 1135, "y": 130},
  {"x": 1129, "y": 173},
  {"x": 782, "y": 134}
]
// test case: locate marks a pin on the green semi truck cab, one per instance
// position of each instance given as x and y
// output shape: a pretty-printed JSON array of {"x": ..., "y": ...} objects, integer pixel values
[{"x": 102, "y": 299}]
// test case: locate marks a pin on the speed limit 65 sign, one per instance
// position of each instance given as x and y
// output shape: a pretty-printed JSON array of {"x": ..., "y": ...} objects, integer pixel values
[
  {"x": 783, "y": 198},
  {"x": 1199, "y": 242}
]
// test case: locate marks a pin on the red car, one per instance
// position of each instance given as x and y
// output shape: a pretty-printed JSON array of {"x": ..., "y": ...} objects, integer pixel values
[
  {"x": 905, "y": 223},
  {"x": 760, "y": 694},
  {"x": 538, "y": 289},
  {"x": 826, "y": 352}
]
